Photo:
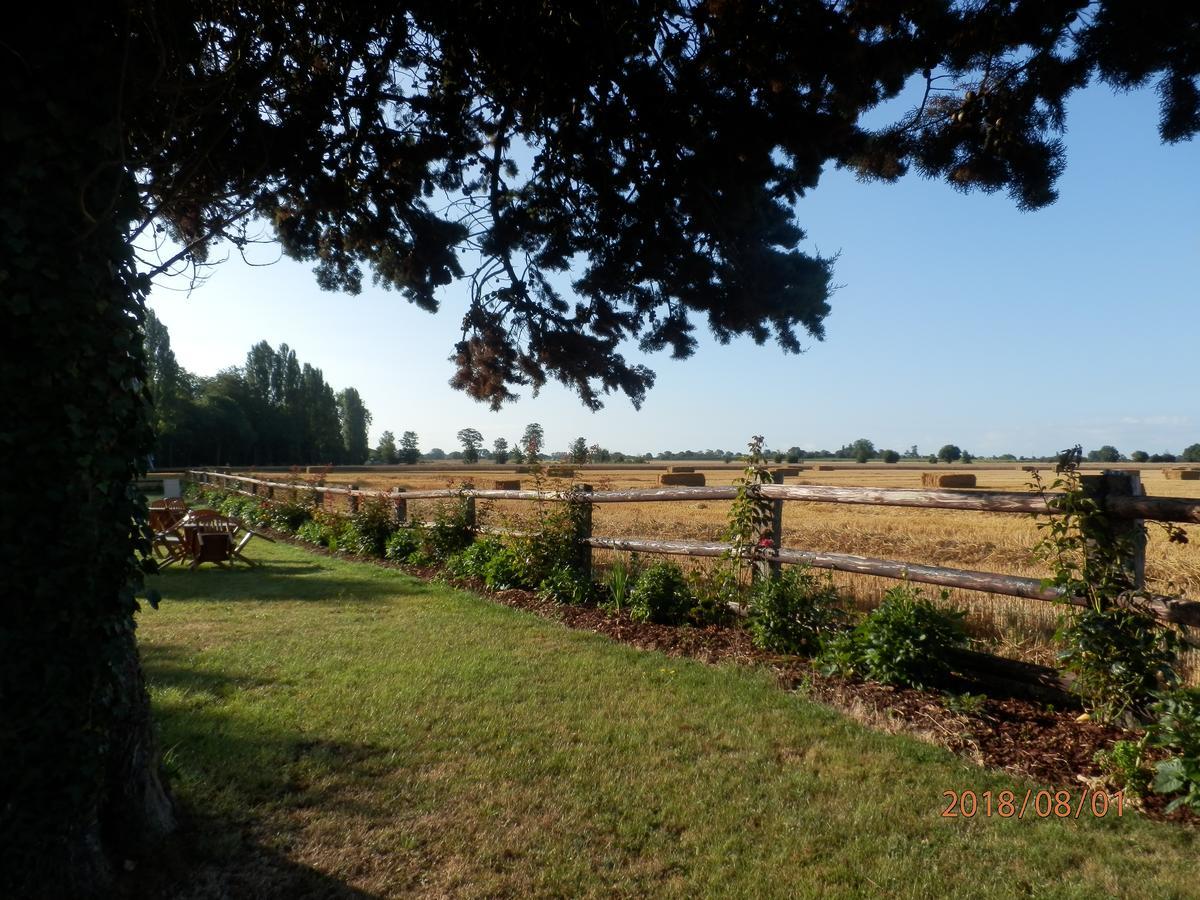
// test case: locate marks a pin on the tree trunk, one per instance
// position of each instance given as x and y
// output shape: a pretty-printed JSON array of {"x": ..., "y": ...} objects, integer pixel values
[{"x": 79, "y": 785}]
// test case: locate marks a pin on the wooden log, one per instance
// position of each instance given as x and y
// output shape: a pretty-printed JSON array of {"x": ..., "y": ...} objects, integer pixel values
[
  {"x": 352, "y": 499},
  {"x": 691, "y": 479},
  {"x": 1167, "y": 609}
]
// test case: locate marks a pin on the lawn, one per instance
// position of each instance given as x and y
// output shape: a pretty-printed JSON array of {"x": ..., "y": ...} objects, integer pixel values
[{"x": 338, "y": 729}]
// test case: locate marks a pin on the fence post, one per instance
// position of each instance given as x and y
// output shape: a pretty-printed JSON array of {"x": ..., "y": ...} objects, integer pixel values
[
  {"x": 352, "y": 499},
  {"x": 1128, "y": 536},
  {"x": 399, "y": 507},
  {"x": 583, "y": 529},
  {"x": 469, "y": 512},
  {"x": 772, "y": 568}
]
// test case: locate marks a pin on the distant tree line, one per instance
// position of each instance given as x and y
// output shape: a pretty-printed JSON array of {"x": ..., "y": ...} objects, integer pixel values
[{"x": 274, "y": 410}]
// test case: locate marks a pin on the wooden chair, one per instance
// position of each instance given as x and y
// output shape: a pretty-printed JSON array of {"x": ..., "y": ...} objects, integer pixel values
[
  {"x": 168, "y": 542},
  {"x": 215, "y": 547}
]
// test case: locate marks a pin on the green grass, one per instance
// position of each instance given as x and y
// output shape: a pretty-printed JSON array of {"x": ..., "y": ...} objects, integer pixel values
[{"x": 335, "y": 727}]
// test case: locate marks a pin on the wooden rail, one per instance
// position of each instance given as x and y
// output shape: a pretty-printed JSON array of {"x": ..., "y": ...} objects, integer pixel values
[{"x": 1124, "y": 502}]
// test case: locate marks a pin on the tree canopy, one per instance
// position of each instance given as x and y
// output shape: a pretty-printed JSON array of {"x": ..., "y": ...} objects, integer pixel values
[{"x": 604, "y": 172}]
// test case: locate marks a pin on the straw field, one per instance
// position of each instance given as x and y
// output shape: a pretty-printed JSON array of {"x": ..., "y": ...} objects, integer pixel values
[{"x": 991, "y": 542}]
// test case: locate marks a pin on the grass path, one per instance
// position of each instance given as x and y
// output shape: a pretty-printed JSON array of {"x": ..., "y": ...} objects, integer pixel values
[{"x": 340, "y": 730}]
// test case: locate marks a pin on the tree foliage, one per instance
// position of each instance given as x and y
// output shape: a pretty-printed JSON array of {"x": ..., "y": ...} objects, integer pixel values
[{"x": 471, "y": 440}]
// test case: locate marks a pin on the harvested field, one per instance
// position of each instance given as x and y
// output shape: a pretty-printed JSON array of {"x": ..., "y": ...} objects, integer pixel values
[
  {"x": 991, "y": 542},
  {"x": 947, "y": 480}
]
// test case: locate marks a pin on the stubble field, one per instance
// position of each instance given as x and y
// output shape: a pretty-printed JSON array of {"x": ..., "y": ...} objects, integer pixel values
[{"x": 993, "y": 542}]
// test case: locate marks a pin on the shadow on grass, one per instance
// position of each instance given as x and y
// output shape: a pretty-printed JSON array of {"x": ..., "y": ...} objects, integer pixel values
[
  {"x": 286, "y": 581},
  {"x": 245, "y": 790}
]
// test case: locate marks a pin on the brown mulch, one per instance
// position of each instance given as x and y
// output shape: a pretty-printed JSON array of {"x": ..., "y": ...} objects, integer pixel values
[{"x": 1011, "y": 734}]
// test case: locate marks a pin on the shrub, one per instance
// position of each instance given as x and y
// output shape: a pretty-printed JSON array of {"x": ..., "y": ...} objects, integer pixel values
[
  {"x": 1178, "y": 729},
  {"x": 904, "y": 641},
  {"x": 661, "y": 595},
  {"x": 503, "y": 570},
  {"x": 288, "y": 515},
  {"x": 403, "y": 544},
  {"x": 794, "y": 612},
  {"x": 449, "y": 534},
  {"x": 565, "y": 584},
  {"x": 311, "y": 531},
  {"x": 474, "y": 560},
  {"x": 1120, "y": 657},
  {"x": 368, "y": 530}
]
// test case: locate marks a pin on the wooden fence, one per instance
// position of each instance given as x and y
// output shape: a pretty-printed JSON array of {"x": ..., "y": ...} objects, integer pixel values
[{"x": 1120, "y": 493}]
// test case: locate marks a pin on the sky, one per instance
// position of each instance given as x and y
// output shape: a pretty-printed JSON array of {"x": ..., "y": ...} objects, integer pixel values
[{"x": 958, "y": 319}]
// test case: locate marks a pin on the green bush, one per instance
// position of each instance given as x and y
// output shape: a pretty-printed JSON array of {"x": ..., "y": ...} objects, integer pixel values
[
  {"x": 288, "y": 515},
  {"x": 311, "y": 532},
  {"x": 403, "y": 544},
  {"x": 905, "y": 641},
  {"x": 1120, "y": 658},
  {"x": 473, "y": 561},
  {"x": 661, "y": 595},
  {"x": 566, "y": 584},
  {"x": 449, "y": 534},
  {"x": 503, "y": 570},
  {"x": 794, "y": 613},
  {"x": 368, "y": 530},
  {"x": 1178, "y": 729}
]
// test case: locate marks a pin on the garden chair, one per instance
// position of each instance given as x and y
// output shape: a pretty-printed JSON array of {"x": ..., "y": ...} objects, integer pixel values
[{"x": 215, "y": 547}]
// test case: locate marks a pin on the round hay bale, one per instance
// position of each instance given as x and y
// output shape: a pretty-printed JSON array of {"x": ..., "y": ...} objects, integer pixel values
[{"x": 682, "y": 479}]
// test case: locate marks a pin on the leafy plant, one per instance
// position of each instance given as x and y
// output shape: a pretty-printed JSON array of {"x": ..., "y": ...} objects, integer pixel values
[
  {"x": 1120, "y": 658},
  {"x": 794, "y": 612},
  {"x": 1119, "y": 654},
  {"x": 473, "y": 562},
  {"x": 288, "y": 515},
  {"x": 618, "y": 579},
  {"x": 661, "y": 595},
  {"x": 451, "y": 531},
  {"x": 565, "y": 584},
  {"x": 965, "y": 704},
  {"x": 403, "y": 544},
  {"x": 503, "y": 570},
  {"x": 1178, "y": 728},
  {"x": 904, "y": 641},
  {"x": 1122, "y": 767},
  {"x": 368, "y": 530}
]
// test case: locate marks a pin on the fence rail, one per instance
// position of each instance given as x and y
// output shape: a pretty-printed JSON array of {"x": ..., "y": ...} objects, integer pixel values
[{"x": 1122, "y": 499}]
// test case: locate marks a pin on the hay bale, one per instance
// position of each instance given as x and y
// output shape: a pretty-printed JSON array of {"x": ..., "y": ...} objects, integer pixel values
[
  {"x": 822, "y": 468},
  {"x": 507, "y": 484},
  {"x": 560, "y": 472},
  {"x": 521, "y": 470},
  {"x": 785, "y": 470},
  {"x": 940, "y": 480},
  {"x": 1029, "y": 469},
  {"x": 1182, "y": 474},
  {"x": 685, "y": 479},
  {"x": 681, "y": 469}
]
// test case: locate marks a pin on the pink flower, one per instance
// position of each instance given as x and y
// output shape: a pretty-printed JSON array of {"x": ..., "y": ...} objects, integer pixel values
[{"x": 766, "y": 542}]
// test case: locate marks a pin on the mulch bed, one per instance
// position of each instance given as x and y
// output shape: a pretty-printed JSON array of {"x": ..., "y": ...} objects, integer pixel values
[{"x": 1012, "y": 734}]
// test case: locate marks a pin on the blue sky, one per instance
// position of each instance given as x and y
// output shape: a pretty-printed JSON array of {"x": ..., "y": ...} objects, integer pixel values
[{"x": 959, "y": 319}]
